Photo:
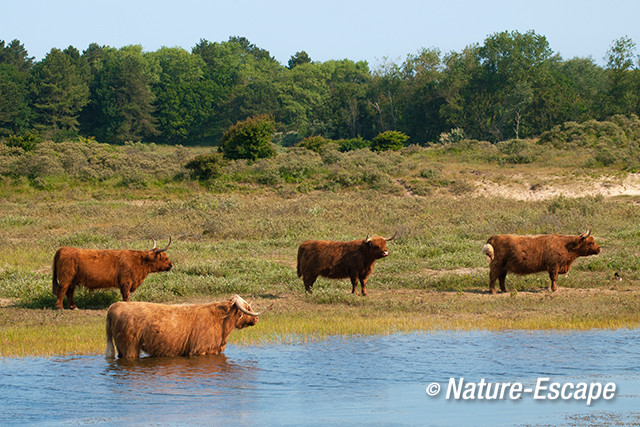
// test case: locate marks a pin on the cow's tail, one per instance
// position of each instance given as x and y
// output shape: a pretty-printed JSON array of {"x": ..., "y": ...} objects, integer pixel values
[
  {"x": 110, "y": 352},
  {"x": 487, "y": 249},
  {"x": 54, "y": 279},
  {"x": 298, "y": 269}
]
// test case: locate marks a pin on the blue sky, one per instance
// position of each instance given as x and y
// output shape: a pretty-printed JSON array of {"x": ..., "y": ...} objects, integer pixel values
[{"x": 327, "y": 29}]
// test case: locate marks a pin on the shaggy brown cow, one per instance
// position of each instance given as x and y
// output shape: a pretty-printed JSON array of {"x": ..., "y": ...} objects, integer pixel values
[
  {"x": 107, "y": 268},
  {"x": 174, "y": 330},
  {"x": 553, "y": 253},
  {"x": 339, "y": 260}
]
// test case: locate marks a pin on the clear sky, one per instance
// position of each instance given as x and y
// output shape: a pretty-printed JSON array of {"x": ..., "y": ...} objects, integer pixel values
[{"x": 326, "y": 29}]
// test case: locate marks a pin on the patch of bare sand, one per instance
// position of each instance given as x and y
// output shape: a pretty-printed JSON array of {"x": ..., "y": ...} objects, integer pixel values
[
  {"x": 532, "y": 190},
  {"x": 7, "y": 302}
]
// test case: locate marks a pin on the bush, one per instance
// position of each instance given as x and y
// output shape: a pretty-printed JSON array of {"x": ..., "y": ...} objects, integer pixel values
[
  {"x": 205, "y": 166},
  {"x": 314, "y": 143},
  {"x": 453, "y": 137},
  {"x": 618, "y": 131},
  {"x": 27, "y": 142},
  {"x": 352, "y": 144},
  {"x": 389, "y": 140},
  {"x": 517, "y": 151},
  {"x": 249, "y": 139}
]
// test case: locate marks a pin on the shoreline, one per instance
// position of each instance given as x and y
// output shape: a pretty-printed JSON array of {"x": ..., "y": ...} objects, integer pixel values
[{"x": 297, "y": 319}]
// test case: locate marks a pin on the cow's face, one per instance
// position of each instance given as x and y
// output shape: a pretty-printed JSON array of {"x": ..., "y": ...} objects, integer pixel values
[
  {"x": 588, "y": 246},
  {"x": 377, "y": 247},
  {"x": 159, "y": 260},
  {"x": 246, "y": 320}
]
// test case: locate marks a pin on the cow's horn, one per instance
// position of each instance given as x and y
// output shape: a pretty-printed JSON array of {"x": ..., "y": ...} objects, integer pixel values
[
  {"x": 154, "y": 244},
  {"x": 238, "y": 302},
  {"x": 165, "y": 248},
  {"x": 585, "y": 235},
  {"x": 367, "y": 239},
  {"x": 392, "y": 237}
]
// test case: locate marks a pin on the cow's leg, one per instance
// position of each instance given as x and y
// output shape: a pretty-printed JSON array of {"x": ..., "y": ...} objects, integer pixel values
[
  {"x": 128, "y": 350},
  {"x": 354, "y": 284},
  {"x": 493, "y": 276},
  {"x": 60, "y": 298},
  {"x": 308, "y": 283},
  {"x": 124, "y": 290},
  {"x": 363, "y": 285},
  {"x": 60, "y": 292},
  {"x": 501, "y": 278},
  {"x": 72, "y": 304},
  {"x": 553, "y": 275}
]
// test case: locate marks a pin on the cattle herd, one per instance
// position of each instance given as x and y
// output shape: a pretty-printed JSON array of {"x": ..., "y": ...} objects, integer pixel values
[{"x": 198, "y": 329}]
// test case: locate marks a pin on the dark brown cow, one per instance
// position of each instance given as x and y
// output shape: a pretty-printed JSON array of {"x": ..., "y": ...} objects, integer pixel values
[
  {"x": 339, "y": 260},
  {"x": 104, "y": 268},
  {"x": 553, "y": 253},
  {"x": 174, "y": 330}
]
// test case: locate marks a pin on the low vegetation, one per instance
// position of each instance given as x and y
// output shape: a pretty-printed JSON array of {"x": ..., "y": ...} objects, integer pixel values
[{"x": 237, "y": 231}]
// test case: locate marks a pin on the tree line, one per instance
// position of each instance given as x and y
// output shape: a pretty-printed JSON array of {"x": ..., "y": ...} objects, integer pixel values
[{"x": 512, "y": 86}]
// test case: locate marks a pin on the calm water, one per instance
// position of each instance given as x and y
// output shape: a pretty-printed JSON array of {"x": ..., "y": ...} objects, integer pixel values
[{"x": 370, "y": 380}]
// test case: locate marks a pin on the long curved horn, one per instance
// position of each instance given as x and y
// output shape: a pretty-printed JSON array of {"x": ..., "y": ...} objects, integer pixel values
[
  {"x": 585, "y": 235},
  {"x": 165, "y": 248},
  {"x": 238, "y": 302},
  {"x": 154, "y": 244},
  {"x": 392, "y": 237}
]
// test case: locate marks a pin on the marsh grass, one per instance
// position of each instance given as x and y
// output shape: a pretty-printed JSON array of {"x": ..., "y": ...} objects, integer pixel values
[{"x": 239, "y": 234}]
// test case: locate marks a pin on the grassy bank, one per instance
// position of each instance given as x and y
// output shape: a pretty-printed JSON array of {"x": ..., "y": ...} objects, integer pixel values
[
  {"x": 241, "y": 235},
  {"x": 299, "y": 319}
]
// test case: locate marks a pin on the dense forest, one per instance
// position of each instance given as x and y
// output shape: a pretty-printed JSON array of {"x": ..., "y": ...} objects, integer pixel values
[{"x": 512, "y": 86}]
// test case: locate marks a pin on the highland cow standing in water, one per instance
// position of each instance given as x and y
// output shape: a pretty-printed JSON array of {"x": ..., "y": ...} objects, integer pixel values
[
  {"x": 553, "y": 253},
  {"x": 174, "y": 330},
  {"x": 339, "y": 260},
  {"x": 104, "y": 268}
]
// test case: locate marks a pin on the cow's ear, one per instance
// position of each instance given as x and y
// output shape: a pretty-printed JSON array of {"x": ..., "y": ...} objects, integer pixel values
[{"x": 572, "y": 244}]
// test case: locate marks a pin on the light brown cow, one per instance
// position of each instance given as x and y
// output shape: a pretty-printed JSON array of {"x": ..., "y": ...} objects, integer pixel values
[
  {"x": 104, "y": 268},
  {"x": 174, "y": 330},
  {"x": 553, "y": 253},
  {"x": 339, "y": 260}
]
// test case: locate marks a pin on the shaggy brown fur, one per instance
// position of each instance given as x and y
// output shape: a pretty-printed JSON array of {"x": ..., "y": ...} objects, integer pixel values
[
  {"x": 553, "y": 253},
  {"x": 174, "y": 330},
  {"x": 339, "y": 260},
  {"x": 109, "y": 268}
]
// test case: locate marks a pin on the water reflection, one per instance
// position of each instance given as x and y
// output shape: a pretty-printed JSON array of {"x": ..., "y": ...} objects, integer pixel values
[{"x": 212, "y": 374}]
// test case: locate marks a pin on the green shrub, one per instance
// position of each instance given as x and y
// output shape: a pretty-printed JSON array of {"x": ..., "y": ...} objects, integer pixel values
[
  {"x": 205, "y": 166},
  {"x": 314, "y": 143},
  {"x": 352, "y": 144},
  {"x": 517, "y": 151},
  {"x": 27, "y": 142},
  {"x": 389, "y": 140},
  {"x": 249, "y": 139},
  {"x": 618, "y": 131},
  {"x": 452, "y": 137}
]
